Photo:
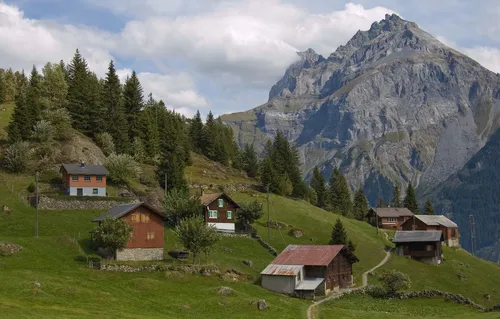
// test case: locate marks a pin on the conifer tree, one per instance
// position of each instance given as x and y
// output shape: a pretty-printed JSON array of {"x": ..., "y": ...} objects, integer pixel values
[
  {"x": 295, "y": 174},
  {"x": 33, "y": 100},
  {"x": 196, "y": 133},
  {"x": 428, "y": 209},
  {"x": 149, "y": 128},
  {"x": 319, "y": 186},
  {"x": 112, "y": 100},
  {"x": 396, "y": 197},
  {"x": 2, "y": 86},
  {"x": 340, "y": 195},
  {"x": 133, "y": 98},
  {"x": 410, "y": 200},
  {"x": 360, "y": 207},
  {"x": 351, "y": 246},
  {"x": 10, "y": 85},
  {"x": 96, "y": 123},
  {"x": 54, "y": 85},
  {"x": 209, "y": 136},
  {"x": 77, "y": 97},
  {"x": 21, "y": 81},
  {"x": 18, "y": 129},
  {"x": 250, "y": 161},
  {"x": 267, "y": 171},
  {"x": 64, "y": 68},
  {"x": 339, "y": 234}
]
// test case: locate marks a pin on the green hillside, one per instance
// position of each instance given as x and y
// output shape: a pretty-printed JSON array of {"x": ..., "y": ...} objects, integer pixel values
[{"x": 5, "y": 118}]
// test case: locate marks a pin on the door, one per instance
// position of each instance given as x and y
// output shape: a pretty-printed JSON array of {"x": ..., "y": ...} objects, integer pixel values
[{"x": 79, "y": 192}]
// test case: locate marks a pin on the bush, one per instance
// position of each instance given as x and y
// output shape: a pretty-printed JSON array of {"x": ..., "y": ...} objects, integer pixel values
[
  {"x": 249, "y": 212},
  {"x": 179, "y": 205},
  {"x": 105, "y": 142},
  {"x": 17, "y": 156},
  {"x": 43, "y": 131},
  {"x": 113, "y": 234},
  {"x": 394, "y": 281},
  {"x": 31, "y": 188},
  {"x": 60, "y": 120},
  {"x": 376, "y": 291},
  {"x": 122, "y": 167}
]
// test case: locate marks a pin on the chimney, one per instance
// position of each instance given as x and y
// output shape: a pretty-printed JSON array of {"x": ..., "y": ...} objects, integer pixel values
[
  {"x": 82, "y": 164},
  {"x": 202, "y": 191}
]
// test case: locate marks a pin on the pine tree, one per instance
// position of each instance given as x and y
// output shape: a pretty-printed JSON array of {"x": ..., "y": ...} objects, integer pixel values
[
  {"x": 267, "y": 171},
  {"x": 340, "y": 195},
  {"x": 250, "y": 161},
  {"x": 380, "y": 202},
  {"x": 133, "y": 98},
  {"x": 149, "y": 128},
  {"x": 196, "y": 133},
  {"x": 351, "y": 246},
  {"x": 319, "y": 186},
  {"x": 54, "y": 85},
  {"x": 360, "y": 207},
  {"x": 410, "y": 200},
  {"x": 339, "y": 234},
  {"x": 428, "y": 209},
  {"x": 396, "y": 197},
  {"x": 2, "y": 86},
  {"x": 112, "y": 100},
  {"x": 33, "y": 100},
  {"x": 96, "y": 123},
  {"x": 10, "y": 85},
  {"x": 209, "y": 136},
  {"x": 18, "y": 129},
  {"x": 77, "y": 97},
  {"x": 21, "y": 81},
  {"x": 295, "y": 174},
  {"x": 65, "y": 70}
]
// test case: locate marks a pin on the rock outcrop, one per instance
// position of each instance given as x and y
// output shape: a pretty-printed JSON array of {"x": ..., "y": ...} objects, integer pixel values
[{"x": 392, "y": 105}]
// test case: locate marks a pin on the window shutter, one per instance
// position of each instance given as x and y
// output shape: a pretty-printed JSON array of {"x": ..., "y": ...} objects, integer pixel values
[{"x": 217, "y": 214}]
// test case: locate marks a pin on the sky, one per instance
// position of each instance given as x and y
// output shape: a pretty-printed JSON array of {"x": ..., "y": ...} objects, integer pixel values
[{"x": 222, "y": 55}]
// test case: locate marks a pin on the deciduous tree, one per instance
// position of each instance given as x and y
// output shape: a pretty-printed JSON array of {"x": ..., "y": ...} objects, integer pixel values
[
  {"x": 196, "y": 236},
  {"x": 113, "y": 234}
]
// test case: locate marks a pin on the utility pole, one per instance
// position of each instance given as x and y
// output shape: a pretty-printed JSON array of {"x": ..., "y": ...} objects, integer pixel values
[
  {"x": 472, "y": 226},
  {"x": 36, "y": 204},
  {"x": 268, "y": 218}
]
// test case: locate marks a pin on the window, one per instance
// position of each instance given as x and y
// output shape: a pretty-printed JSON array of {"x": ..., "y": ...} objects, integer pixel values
[
  {"x": 229, "y": 214},
  {"x": 135, "y": 218},
  {"x": 74, "y": 178},
  {"x": 392, "y": 219},
  {"x": 213, "y": 214},
  {"x": 99, "y": 179},
  {"x": 220, "y": 202},
  {"x": 144, "y": 218},
  {"x": 299, "y": 277},
  {"x": 86, "y": 178},
  {"x": 151, "y": 236},
  {"x": 453, "y": 232},
  {"x": 95, "y": 191}
]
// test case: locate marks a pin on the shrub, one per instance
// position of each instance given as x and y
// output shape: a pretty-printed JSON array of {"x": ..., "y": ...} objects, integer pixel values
[
  {"x": 105, "y": 142},
  {"x": 376, "y": 291},
  {"x": 113, "y": 234},
  {"x": 249, "y": 212},
  {"x": 60, "y": 119},
  {"x": 17, "y": 156},
  {"x": 31, "y": 188},
  {"x": 196, "y": 236},
  {"x": 139, "y": 150},
  {"x": 122, "y": 167},
  {"x": 43, "y": 131},
  {"x": 394, "y": 281}
]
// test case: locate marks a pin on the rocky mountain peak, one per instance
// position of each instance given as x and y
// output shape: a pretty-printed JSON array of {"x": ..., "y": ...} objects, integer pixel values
[{"x": 311, "y": 56}]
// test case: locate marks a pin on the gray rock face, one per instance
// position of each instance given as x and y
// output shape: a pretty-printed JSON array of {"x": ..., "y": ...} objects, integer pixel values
[{"x": 392, "y": 105}]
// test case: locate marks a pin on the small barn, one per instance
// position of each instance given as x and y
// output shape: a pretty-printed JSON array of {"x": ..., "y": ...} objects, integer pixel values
[
  {"x": 147, "y": 241},
  {"x": 310, "y": 270},
  {"x": 220, "y": 211},
  {"x": 422, "y": 245},
  {"x": 435, "y": 222}
]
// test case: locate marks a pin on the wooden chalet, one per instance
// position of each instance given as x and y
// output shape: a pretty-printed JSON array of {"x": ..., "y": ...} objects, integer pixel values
[
  {"x": 148, "y": 235},
  {"x": 219, "y": 211},
  {"x": 310, "y": 270},
  {"x": 84, "y": 179},
  {"x": 423, "y": 245},
  {"x": 435, "y": 222},
  {"x": 388, "y": 217}
]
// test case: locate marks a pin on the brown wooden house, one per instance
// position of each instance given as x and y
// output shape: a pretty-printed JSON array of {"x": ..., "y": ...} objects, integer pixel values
[
  {"x": 220, "y": 211},
  {"x": 435, "y": 222},
  {"x": 147, "y": 240},
  {"x": 423, "y": 245},
  {"x": 388, "y": 217},
  {"x": 310, "y": 270}
]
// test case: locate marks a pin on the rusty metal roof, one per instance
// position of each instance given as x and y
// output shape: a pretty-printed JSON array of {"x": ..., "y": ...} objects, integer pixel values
[
  {"x": 308, "y": 255},
  {"x": 281, "y": 270},
  {"x": 391, "y": 211}
]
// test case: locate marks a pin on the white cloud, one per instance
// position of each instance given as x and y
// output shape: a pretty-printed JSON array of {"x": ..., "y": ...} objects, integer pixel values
[{"x": 254, "y": 40}]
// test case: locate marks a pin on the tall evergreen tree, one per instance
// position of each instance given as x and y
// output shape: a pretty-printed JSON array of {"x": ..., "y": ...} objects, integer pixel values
[
  {"x": 21, "y": 81},
  {"x": 250, "y": 161},
  {"x": 97, "y": 123},
  {"x": 18, "y": 128},
  {"x": 2, "y": 86},
  {"x": 410, "y": 200},
  {"x": 77, "y": 98},
  {"x": 267, "y": 171},
  {"x": 295, "y": 174},
  {"x": 319, "y": 186},
  {"x": 133, "y": 98},
  {"x": 428, "y": 209},
  {"x": 339, "y": 234},
  {"x": 196, "y": 133},
  {"x": 149, "y": 128},
  {"x": 10, "y": 85},
  {"x": 209, "y": 137},
  {"x": 360, "y": 207},
  {"x": 54, "y": 86},
  {"x": 33, "y": 99},
  {"x": 112, "y": 100},
  {"x": 65, "y": 70},
  {"x": 340, "y": 195},
  {"x": 396, "y": 197}
]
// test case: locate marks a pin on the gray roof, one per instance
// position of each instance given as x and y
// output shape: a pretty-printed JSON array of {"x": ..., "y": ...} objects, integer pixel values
[
  {"x": 281, "y": 270},
  {"x": 119, "y": 211},
  {"x": 392, "y": 211},
  {"x": 309, "y": 283},
  {"x": 417, "y": 236},
  {"x": 436, "y": 220},
  {"x": 87, "y": 169}
]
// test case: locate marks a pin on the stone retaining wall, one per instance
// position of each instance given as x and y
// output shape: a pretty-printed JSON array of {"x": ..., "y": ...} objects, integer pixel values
[
  {"x": 188, "y": 269},
  {"x": 140, "y": 254},
  {"x": 51, "y": 203}
]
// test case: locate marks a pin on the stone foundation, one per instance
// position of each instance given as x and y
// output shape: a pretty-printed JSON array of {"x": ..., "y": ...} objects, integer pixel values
[
  {"x": 452, "y": 243},
  {"x": 139, "y": 254}
]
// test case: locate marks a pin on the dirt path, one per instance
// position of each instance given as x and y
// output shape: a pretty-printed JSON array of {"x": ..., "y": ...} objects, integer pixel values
[{"x": 336, "y": 295}]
